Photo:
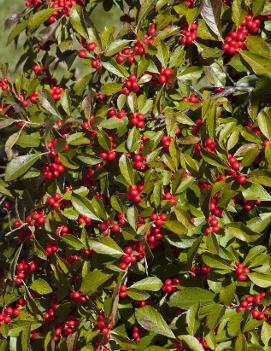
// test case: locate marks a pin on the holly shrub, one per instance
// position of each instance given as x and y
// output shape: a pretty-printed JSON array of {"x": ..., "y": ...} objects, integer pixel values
[{"x": 135, "y": 191}]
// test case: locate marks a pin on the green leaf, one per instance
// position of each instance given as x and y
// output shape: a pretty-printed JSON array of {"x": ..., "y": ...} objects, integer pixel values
[
  {"x": 258, "y": 6},
  {"x": 192, "y": 319},
  {"x": 39, "y": 17},
  {"x": 260, "y": 176},
  {"x": 126, "y": 170},
  {"x": 238, "y": 13},
  {"x": 111, "y": 88},
  {"x": 66, "y": 102},
  {"x": 260, "y": 65},
  {"x": 48, "y": 106},
  {"x": 106, "y": 246},
  {"x": 84, "y": 206},
  {"x": 190, "y": 73},
  {"x": 217, "y": 263},
  {"x": 256, "y": 192},
  {"x": 19, "y": 166},
  {"x": 133, "y": 139},
  {"x": 77, "y": 22},
  {"x": 162, "y": 53},
  {"x": 175, "y": 227},
  {"x": 93, "y": 280},
  {"x": 145, "y": 8},
  {"x": 227, "y": 293},
  {"x": 138, "y": 295},
  {"x": 211, "y": 13},
  {"x": 147, "y": 284},
  {"x": 17, "y": 30},
  {"x": 260, "y": 279},
  {"x": 150, "y": 319},
  {"x": 114, "y": 123},
  {"x": 192, "y": 342},
  {"x": 41, "y": 287},
  {"x": 73, "y": 242},
  {"x": 113, "y": 67},
  {"x": 188, "y": 296},
  {"x": 266, "y": 333},
  {"x": 116, "y": 46},
  {"x": 241, "y": 232},
  {"x": 132, "y": 216},
  {"x": 264, "y": 121}
]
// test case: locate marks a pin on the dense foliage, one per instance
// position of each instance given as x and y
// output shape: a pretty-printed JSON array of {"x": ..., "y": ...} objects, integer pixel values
[{"x": 136, "y": 166}]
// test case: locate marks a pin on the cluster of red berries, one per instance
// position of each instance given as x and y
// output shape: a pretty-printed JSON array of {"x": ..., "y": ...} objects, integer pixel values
[
  {"x": 108, "y": 155},
  {"x": 166, "y": 141},
  {"x": 62, "y": 7},
  {"x": 169, "y": 197},
  {"x": 87, "y": 125},
  {"x": 54, "y": 201},
  {"x": 158, "y": 219},
  {"x": 235, "y": 166},
  {"x": 236, "y": 40},
  {"x": 217, "y": 211},
  {"x": 23, "y": 233},
  {"x": 50, "y": 249},
  {"x": 56, "y": 92},
  {"x": 34, "y": 3},
  {"x": 7, "y": 313},
  {"x": 252, "y": 303},
  {"x": 249, "y": 204},
  {"x": 36, "y": 219},
  {"x": 127, "y": 258},
  {"x": 104, "y": 325},
  {"x": 107, "y": 226},
  {"x": 96, "y": 64},
  {"x": 137, "y": 119},
  {"x": 33, "y": 98},
  {"x": 165, "y": 76},
  {"x": 210, "y": 145},
  {"x": 128, "y": 54},
  {"x": 89, "y": 47},
  {"x": 53, "y": 169},
  {"x": 241, "y": 272},
  {"x": 112, "y": 112},
  {"x": 200, "y": 272},
  {"x": 189, "y": 35},
  {"x": 134, "y": 193},
  {"x": 196, "y": 127},
  {"x": 169, "y": 285},
  {"x": 192, "y": 98},
  {"x": 23, "y": 269},
  {"x": 140, "y": 162},
  {"x": 136, "y": 335},
  {"x": 4, "y": 84},
  {"x": 84, "y": 220},
  {"x": 38, "y": 69},
  {"x": 121, "y": 219},
  {"x": 154, "y": 237},
  {"x": 123, "y": 291},
  {"x": 78, "y": 297},
  {"x": 67, "y": 328},
  {"x": 50, "y": 314},
  {"x": 130, "y": 85},
  {"x": 213, "y": 226}
]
